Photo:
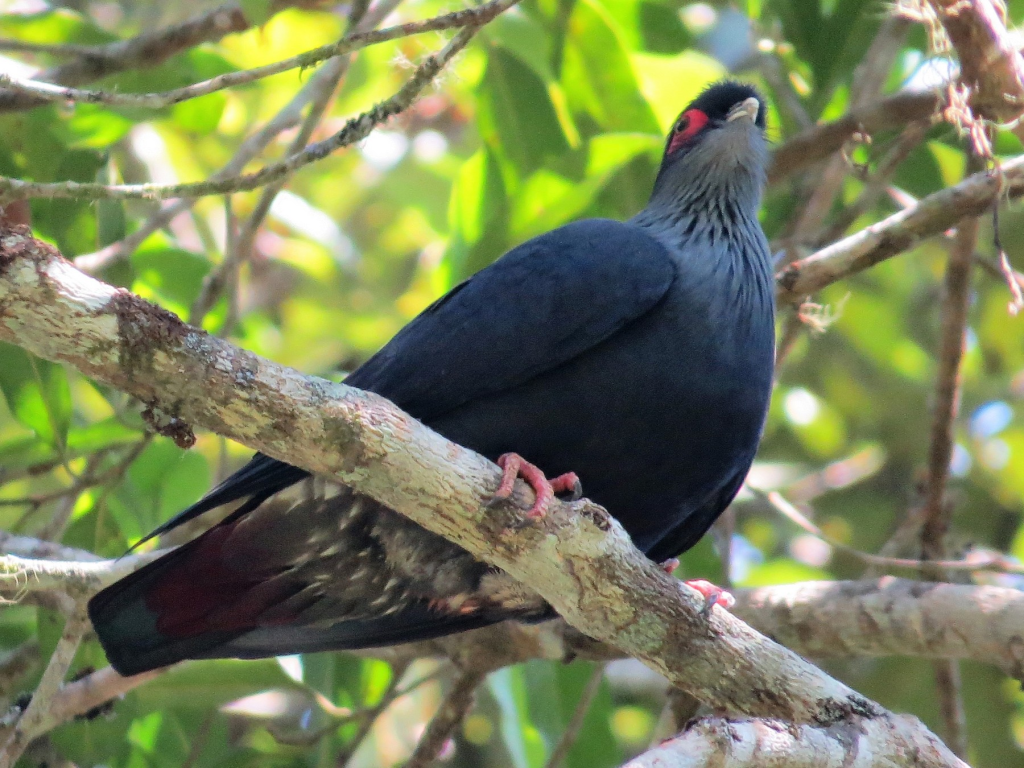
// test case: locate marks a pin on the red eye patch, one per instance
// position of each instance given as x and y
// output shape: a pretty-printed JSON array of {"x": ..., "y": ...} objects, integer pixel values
[{"x": 688, "y": 126}]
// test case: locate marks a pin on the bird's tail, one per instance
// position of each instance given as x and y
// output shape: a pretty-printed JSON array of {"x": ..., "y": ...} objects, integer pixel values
[{"x": 221, "y": 596}]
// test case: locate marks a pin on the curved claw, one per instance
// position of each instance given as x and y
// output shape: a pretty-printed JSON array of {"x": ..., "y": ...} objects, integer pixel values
[
  {"x": 513, "y": 465},
  {"x": 713, "y": 595}
]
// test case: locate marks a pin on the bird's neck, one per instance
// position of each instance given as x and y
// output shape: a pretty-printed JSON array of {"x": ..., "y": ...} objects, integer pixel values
[{"x": 711, "y": 227}]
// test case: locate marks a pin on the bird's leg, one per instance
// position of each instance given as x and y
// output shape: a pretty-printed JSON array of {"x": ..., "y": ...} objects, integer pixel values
[
  {"x": 713, "y": 595},
  {"x": 513, "y": 465},
  {"x": 670, "y": 565}
]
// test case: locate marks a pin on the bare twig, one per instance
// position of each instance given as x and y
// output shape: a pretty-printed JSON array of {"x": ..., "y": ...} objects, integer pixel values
[
  {"x": 868, "y": 81},
  {"x": 19, "y": 575},
  {"x": 285, "y": 119},
  {"x": 453, "y": 710},
  {"x": 35, "y": 717},
  {"x": 355, "y": 129},
  {"x": 949, "y": 686},
  {"x": 579, "y": 714},
  {"x": 318, "y": 93},
  {"x": 996, "y": 563},
  {"x": 929, "y": 216},
  {"x": 817, "y": 143},
  {"x": 875, "y": 187},
  {"x": 473, "y": 16},
  {"x": 956, "y": 299},
  {"x": 935, "y": 512}
]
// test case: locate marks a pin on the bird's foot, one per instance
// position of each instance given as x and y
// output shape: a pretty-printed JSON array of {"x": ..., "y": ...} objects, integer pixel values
[
  {"x": 670, "y": 565},
  {"x": 513, "y": 465},
  {"x": 713, "y": 595}
]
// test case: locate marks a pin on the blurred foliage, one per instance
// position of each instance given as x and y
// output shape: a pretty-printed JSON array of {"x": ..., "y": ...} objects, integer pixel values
[{"x": 556, "y": 111}]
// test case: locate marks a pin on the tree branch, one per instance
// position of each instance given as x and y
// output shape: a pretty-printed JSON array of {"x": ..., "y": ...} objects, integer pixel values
[
  {"x": 35, "y": 719},
  {"x": 820, "y": 141},
  {"x": 929, "y": 216},
  {"x": 578, "y": 558},
  {"x": 453, "y": 710},
  {"x": 714, "y": 742},
  {"x": 149, "y": 49},
  {"x": 990, "y": 66},
  {"x": 48, "y": 92}
]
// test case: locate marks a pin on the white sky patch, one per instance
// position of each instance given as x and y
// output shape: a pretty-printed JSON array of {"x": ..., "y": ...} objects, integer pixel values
[
  {"x": 384, "y": 149},
  {"x": 991, "y": 418},
  {"x": 149, "y": 147},
  {"x": 810, "y": 550},
  {"x": 801, "y": 407},
  {"x": 995, "y": 454},
  {"x": 15, "y": 68},
  {"x": 300, "y": 215},
  {"x": 429, "y": 146},
  {"x": 698, "y": 17},
  {"x": 927, "y": 74},
  {"x": 292, "y": 666},
  {"x": 960, "y": 462}
]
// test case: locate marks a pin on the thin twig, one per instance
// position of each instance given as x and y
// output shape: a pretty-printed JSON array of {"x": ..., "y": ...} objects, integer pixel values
[
  {"x": 284, "y": 120},
  {"x": 956, "y": 299},
  {"x": 935, "y": 511},
  {"x": 907, "y": 142},
  {"x": 474, "y": 16},
  {"x": 318, "y": 93},
  {"x": 817, "y": 143},
  {"x": 20, "y": 575},
  {"x": 144, "y": 51},
  {"x": 453, "y": 710},
  {"x": 579, "y": 714},
  {"x": 996, "y": 563},
  {"x": 356, "y": 129},
  {"x": 927, "y": 217},
  {"x": 16, "y": 663},
  {"x": 32, "y": 720}
]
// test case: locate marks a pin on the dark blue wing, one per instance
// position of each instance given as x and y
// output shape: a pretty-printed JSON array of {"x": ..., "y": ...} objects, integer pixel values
[{"x": 535, "y": 308}]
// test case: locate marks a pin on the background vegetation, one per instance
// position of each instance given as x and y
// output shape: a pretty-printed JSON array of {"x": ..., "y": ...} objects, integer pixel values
[{"x": 555, "y": 111}]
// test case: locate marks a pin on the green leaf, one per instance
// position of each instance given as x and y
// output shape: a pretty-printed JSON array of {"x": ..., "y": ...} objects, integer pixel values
[
  {"x": 199, "y": 115},
  {"x": 597, "y": 75},
  {"x": 209, "y": 684},
  {"x": 171, "y": 276},
  {"x": 56, "y": 26},
  {"x": 522, "y": 738},
  {"x": 598, "y": 746},
  {"x": 662, "y": 29},
  {"x": 37, "y": 393},
  {"x": 517, "y": 119}
]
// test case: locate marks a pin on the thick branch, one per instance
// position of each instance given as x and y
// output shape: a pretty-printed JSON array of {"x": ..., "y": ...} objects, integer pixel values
[
  {"x": 577, "y": 557},
  {"x": 713, "y": 742}
]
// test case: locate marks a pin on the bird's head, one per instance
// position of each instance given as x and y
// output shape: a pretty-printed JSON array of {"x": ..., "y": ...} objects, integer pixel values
[{"x": 717, "y": 144}]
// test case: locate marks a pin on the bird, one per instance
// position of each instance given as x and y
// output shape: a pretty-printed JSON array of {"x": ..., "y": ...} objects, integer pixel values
[{"x": 628, "y": 360}]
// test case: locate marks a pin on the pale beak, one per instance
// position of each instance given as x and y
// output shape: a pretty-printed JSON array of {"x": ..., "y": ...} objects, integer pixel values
[{"x": 747, "y": 108}]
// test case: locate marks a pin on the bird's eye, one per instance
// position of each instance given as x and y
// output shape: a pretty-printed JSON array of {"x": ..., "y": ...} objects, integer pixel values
[{"x": 687, "y": 126}]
